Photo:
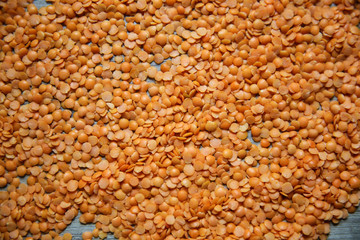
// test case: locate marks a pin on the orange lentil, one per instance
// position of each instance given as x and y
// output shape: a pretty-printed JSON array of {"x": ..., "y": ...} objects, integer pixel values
[{"x": 212, "y": 120}]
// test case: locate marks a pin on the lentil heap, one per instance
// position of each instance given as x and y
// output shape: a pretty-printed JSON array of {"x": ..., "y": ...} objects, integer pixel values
[{"x": 95, "y": 128}]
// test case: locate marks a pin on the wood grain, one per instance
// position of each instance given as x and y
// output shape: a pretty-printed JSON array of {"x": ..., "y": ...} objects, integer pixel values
[{"x": 348, "y": 229}]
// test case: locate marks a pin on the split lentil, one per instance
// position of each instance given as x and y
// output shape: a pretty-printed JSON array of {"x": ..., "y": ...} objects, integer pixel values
[{"x": 147, "y": 152}]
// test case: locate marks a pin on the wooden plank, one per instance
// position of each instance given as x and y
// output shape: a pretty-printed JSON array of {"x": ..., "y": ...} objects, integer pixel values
[{"x": 348, "y": 229}]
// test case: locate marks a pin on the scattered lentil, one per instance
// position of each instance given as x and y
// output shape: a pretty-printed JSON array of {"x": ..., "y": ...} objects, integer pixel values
[{"x": 164, "y": 153}]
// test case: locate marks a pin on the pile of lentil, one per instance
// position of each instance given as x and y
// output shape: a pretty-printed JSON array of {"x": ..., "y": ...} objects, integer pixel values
[{"x": 95, "y": 128}]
